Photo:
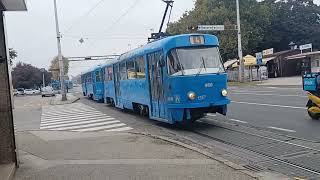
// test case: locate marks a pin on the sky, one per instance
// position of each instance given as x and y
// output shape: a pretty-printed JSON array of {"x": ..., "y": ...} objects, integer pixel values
[{"x": 111, "y": 27}]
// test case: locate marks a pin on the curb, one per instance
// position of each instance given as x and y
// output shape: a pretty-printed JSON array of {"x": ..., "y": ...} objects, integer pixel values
[
  {"x": 205, "y": 153},
  {"x": 62, "y": 103}
]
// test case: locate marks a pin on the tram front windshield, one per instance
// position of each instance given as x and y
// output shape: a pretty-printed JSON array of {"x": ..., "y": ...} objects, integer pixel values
[{"x": 190, "y": 61}]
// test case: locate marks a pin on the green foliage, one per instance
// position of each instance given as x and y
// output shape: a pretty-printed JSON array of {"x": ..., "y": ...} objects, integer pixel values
[
  {"x": 55, "y": 69},
  {"x": 28, "y": 76},
  {"x": 12, "y": 55},
  {"x": 265, "y": 24}
]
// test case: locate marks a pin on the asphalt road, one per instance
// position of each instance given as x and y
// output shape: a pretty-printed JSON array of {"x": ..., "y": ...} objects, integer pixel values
[{"x": 277, "y": 109}]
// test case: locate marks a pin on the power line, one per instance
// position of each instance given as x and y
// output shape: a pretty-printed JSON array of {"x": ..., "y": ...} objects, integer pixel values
[
  {"x": 121, "y": 16},
  {"x": 80, "y": 19}
]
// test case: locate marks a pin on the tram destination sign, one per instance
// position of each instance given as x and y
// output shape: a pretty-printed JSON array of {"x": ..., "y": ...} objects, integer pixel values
[{"x": 210, "y": 27}]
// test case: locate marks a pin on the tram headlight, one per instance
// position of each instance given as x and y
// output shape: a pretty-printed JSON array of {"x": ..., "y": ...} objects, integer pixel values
[
  {"x": 192, "y": 96},
  {"x": 224, "y": 93}
]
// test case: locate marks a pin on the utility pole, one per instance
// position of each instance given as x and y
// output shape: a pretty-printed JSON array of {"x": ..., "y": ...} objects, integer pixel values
[
  {"x": 61, "y": 64},
  {"x": 241, "y": 65},
  {"x": 43, "y": 82}
]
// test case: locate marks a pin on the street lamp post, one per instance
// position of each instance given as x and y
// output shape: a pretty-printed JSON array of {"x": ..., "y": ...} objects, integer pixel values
[
  {"x": 61, "y": 64},
  {"x": 241, "y": 65},
  {"x": 43, "y": 81}
]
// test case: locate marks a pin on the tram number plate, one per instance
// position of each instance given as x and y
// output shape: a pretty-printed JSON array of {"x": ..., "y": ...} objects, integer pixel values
[{"x": 208, "y": 85}]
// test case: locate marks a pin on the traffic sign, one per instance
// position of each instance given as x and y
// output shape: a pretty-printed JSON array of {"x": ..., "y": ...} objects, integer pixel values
[
  {"x": 267, "y": 52},
  {"x": 305, "y": 46},
  {"x": 211, "y": 28},
  {"x": 42, "y": 70},
  {"x": 259, "y": 58}
]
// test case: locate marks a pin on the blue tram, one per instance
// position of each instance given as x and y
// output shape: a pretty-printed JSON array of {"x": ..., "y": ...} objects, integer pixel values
[
  {"x": 174, "y": 79},
  {"x": 93, "y": 84}
]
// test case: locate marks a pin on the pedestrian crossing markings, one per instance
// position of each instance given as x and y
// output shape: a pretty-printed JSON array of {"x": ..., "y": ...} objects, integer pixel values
[{"x": 79, "y": 118}]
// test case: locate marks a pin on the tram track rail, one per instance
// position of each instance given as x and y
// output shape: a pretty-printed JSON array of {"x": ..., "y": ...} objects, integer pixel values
[
  {"x": 220, "y": 132},
  {"x": 311, "y": 171}
]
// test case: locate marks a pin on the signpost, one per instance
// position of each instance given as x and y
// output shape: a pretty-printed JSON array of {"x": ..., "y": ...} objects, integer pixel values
[
  {"x": 259, "y": 62},
  {"x": 267, "y": 52},
  {"x": 259, "y": 58},
  {"x": 210, "y": 27},
  {"x": 43, "y": 81},
  {"x": 305, "y": 46}
]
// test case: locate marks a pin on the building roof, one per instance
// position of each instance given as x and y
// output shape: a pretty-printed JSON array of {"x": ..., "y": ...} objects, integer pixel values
[
  {"x": 282, "y": 53},
  {"x": 14, "y": 5},
  {"x": 303, "y": 55}
]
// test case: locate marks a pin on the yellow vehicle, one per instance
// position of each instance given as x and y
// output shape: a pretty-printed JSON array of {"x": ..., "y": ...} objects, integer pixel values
[{"x": 311, "y": 85}]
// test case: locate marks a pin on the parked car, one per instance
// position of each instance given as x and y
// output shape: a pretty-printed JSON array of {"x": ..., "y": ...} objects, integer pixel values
[
  {"x": 21, "y": 91},
  {"x": 37, "y": 91},
  {"x": 47, "y": 91},
  {"x": 15, "y": 92},
  {"x": 29, "y": 91}
]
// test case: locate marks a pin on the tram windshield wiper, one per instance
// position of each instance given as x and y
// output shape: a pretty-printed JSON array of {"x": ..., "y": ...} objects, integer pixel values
[{"x": 203, "y": 65}]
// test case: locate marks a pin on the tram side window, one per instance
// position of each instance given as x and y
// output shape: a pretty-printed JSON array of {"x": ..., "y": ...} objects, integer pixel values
[
  {"x": 123, "y": 71},
  {"x": 131, "y": 70},
  {"x": 98, "y": 76},
  {"x": 140, "y": 68},
  {"x": 108, "y": 74}
]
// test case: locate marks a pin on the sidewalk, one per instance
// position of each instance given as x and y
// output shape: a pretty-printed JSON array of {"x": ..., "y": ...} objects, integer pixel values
[
  {"x": 295, "y": 81},
  {"x": 56, "y": 100},
  {"x": 72, "y": 155}
]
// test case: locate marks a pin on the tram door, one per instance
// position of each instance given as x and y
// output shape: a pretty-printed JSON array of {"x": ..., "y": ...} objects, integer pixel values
[
  {"x": 156, "y": 84},
  {"x": 117, "y": 84}
]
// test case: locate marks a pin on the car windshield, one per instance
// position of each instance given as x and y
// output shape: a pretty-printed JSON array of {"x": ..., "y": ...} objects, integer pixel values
[{"x": 189, "y": 61}]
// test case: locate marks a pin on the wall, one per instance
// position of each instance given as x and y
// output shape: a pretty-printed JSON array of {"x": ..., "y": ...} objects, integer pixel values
[{"x": 7, "y": 141}]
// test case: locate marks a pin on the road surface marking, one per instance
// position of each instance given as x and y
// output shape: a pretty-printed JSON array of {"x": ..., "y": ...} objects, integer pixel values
[
  {"x": 71, "y": 116},
  {"x": 75, "y": 123},
  {"x": 81, "y": 127},
  {"x": 270, "y": 105},
  {"x": 78, "y": 117},
  {"x": 212, "y": 115},
  {"x": 101, "y": 128},
  {"x": 120, "y": 129},
  {"x": 281, "y": 95},
  {"x": 281, "y": 129},
  {"x": 239, "y": 121},
  {"x": 285, "y": 88},
  {"x": 74, "y": 120},
  {"x": 250, "y": 91}
]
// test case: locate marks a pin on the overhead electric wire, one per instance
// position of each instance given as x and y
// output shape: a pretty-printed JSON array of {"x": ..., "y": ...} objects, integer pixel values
[
  {"x": 121, "y": 16},
  {"x": 84, "y": 15}
]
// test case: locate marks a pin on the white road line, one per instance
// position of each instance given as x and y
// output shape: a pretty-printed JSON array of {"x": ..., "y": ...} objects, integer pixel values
[
  {"x": 281, "y": 95},
  {"x": 75, "y": 123},
  {"x": 284, "y": 88},
  {"x": 50, "y": 113},
  {"x": 85, "y": 126},
  {"x": 100, "y": 128},
  {"x": 71, "y": 116},
  {"x": 270, "y": 105},
  {"x": 119, "y": 129},
  {"x": 75, "y": 120},
  {"x": 282, "y": 129},
  {"x": 239, "y": 121},
  {"x": 246, "y": 91},
  {"x": 68, "y": 107},
  {"x": 212, "y": 115}
]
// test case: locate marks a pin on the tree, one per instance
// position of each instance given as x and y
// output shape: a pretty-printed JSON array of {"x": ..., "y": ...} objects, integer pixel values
[
  {"x": 55, "y": 68},
  {"x": 28, "y": 76},
  {"x": 264, "y": 24},
  {"x": 12, "y": 55}
]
